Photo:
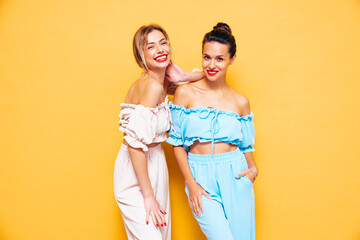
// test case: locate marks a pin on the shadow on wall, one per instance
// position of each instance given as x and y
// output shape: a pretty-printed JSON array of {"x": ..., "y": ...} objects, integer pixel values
[{"x": 119, "y": 223}]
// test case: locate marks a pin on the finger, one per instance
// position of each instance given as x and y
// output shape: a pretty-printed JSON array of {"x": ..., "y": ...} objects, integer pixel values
[
  {"x": 159, "y": 218},
  {"x": 191, "y": 202},
  {"x": 197, "y": 207},
  {"x": 162, "y": 218},
  {"x": 240, "y": 174},
  {"x": 161, "y": 209},
  {"x": 206, "y": 194},
  {"x": 250, "y": 177},
  {"x": 147, "y": 218},
  {"x": 200, "y": 204},
  {"x": 194, "y": 208},
  {"x": 154, "y": 219}
]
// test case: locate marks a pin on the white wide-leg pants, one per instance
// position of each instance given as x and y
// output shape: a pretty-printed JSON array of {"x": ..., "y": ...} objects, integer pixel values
[{"x": 130, "y": 199}]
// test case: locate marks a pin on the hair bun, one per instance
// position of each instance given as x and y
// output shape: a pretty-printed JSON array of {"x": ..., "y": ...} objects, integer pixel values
[{"x": 222, "y": 26}]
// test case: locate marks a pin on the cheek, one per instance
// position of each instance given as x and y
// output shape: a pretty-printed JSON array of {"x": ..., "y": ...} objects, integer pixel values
[
  {"x": 224, "y": 66},
  {"x": 167, "y": 48},
  {"x": 147, "y": 54},
  {"x": 204, "y": 63},
  {"x": 148, "y": 58}
]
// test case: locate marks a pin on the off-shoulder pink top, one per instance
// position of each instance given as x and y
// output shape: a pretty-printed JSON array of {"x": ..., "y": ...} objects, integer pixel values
[{"x": 144, "y": 125}]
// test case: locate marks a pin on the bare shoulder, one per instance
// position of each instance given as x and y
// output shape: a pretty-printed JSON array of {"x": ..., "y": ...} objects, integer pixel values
[
  {"x": 152, "y": 86},
  {"x": 150, "y": 92},
  {"x": 183, "y": 94},
  {"x": 242, "y": 103}
]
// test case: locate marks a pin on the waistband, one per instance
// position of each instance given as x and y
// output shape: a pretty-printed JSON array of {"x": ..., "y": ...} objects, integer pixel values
[
  {"x": 125, "y": 147},
  {"x": 215, "y": 158}
]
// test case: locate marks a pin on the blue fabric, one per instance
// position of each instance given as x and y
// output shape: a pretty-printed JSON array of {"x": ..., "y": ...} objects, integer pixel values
[
  {"x": 230, "y": 213},
  {"x": 210, "y": 125}
]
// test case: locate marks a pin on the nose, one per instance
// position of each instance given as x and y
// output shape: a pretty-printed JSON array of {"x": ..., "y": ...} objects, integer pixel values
[
  {"x": 160, "y": 49},
  {"x": 212, "y": 64}
]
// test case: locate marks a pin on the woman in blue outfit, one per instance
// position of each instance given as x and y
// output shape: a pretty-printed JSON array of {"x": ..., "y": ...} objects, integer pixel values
[{"x": 213, "y": 138}]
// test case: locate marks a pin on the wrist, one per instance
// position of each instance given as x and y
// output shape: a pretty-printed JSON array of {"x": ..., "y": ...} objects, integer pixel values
[
  {"x": 254, "y": 171},
  {"x": 190, "y": 182},
  {"x": 148, "y": 194}
]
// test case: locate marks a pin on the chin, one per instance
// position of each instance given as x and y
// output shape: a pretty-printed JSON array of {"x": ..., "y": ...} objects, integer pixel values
[
  {"x": 211, "y": 78},
  {"x": 157, "y": 65}
]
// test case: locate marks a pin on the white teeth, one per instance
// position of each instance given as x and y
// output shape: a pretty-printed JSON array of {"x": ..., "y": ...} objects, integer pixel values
[{"x": 161, "y": 58}]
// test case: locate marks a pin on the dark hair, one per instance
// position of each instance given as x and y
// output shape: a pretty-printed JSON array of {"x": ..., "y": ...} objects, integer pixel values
[{"x": 221, "y": 33}]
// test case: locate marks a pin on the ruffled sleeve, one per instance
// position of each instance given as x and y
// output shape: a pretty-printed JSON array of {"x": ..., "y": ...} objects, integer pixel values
[
  {"x": 139, "y": 124},
  {"x": 248, "y": 134},
  {"x": 176, "y": 132}
]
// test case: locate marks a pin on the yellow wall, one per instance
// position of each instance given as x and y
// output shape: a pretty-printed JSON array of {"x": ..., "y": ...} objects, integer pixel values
[{"x": 65, "y": 67}]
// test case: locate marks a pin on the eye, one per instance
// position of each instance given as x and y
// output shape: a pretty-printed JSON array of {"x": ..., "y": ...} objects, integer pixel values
[
  {"x": 164, "y": 43},
  {"x": 206, "y": 57},
  {"x": 220, "y": 59},
  {"x": 150, "y": 47}
]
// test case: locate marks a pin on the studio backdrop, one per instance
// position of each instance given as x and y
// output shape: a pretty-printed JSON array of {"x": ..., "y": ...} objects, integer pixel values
[{"x": 65, "y": 67}]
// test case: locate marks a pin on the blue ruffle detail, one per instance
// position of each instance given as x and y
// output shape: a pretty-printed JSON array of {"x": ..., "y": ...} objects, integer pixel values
[
  {"x": 210, "y": 125},
  {"x": 174, "y": 141},
  {"x": 248, "y": 149},
  {"x": 211, "y": 110}
]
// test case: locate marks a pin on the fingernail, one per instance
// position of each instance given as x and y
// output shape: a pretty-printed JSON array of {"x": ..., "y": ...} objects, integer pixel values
[
  {"x": 147, "y": 222},
  {"x": 162, "y": 225},
  {"x": 164, "y": 212},
  {"x": 157, "y": 225},
  {"x": 165, "y": 224}
]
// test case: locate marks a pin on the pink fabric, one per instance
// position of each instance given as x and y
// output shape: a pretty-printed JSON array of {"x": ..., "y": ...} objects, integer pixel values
[
  {"x": 144, "y": 125},
  {"x": 130, "y": 199}
]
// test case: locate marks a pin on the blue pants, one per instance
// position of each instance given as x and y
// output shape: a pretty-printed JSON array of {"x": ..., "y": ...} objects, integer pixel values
[{"x": 230, "y": 213}]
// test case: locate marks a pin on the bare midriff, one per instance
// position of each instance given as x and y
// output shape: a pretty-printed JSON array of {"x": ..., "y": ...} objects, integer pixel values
[{"x": 205, "y": 148}]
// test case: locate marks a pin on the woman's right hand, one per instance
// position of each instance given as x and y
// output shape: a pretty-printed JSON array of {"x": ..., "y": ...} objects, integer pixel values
[
  {"x": 174, "y": 73},
  {"x": 195, "y": 194},
  {"x": 153, "y": 209}
]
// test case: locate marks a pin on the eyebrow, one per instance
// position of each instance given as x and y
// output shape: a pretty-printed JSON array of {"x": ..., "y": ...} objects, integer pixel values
[
  {"x": 215, "y": 56},
  {"x": 154, "y": 43}
]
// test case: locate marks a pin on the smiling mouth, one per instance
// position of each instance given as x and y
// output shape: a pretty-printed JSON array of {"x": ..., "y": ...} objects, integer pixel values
[
  {"x": 212, "y": 72},
  {"x": 161, "y": 58}
]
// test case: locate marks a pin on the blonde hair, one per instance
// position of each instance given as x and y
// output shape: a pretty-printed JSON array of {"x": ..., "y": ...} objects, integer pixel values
[{"x": 140, "y": 39}]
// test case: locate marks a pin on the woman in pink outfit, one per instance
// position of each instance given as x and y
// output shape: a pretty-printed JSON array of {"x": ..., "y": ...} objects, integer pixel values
[{"x": 141, "y": 183}]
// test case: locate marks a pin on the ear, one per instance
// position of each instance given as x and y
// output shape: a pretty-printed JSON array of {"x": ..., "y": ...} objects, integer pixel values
[{"x": 232, "y": 60}]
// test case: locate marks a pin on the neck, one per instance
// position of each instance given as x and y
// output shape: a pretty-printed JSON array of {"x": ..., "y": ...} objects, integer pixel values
[
  {"x": 158, "y": 75},
  {"x": 217, "y": 86}
]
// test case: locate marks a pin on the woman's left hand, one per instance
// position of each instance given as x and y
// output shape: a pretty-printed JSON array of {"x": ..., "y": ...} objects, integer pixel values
[{"x": 249, "y": 173}]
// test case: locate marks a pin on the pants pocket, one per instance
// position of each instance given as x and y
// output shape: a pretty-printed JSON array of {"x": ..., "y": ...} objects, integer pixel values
[{"x": 247, "y": 180}]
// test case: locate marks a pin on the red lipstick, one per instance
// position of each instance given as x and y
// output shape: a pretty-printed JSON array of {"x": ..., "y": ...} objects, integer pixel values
[
  {"x": 161, "y": 58},
  {"x": 212, "y": 72}
]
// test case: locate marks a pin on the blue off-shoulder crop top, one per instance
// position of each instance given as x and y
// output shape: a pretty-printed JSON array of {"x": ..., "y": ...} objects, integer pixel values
[{"x": 206, "y": 124}]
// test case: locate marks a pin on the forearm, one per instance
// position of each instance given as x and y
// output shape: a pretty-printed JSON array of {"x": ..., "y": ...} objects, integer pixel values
[
  {"x": 176, "y": 75},
  {"x": 251, "y": 162},
  {"x": 181, "y": 159},
  {"x": 192, "y": 76},
  {"x": 139, "y": 162}
]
